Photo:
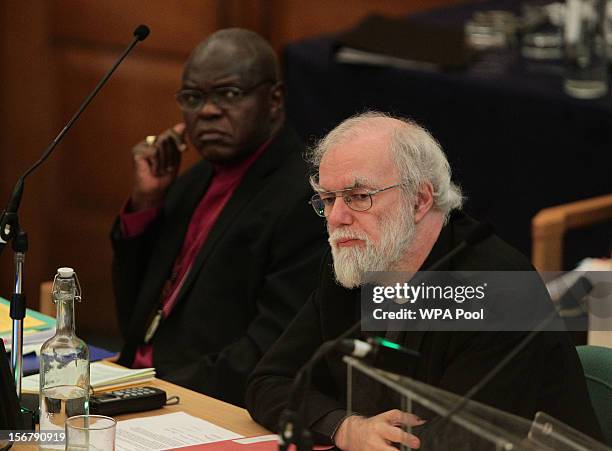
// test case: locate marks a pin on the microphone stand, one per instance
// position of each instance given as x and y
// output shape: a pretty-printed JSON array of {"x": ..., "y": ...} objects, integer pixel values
[
  {"x": 10, "y": 230},
  {"x": 18, "y": 308}
]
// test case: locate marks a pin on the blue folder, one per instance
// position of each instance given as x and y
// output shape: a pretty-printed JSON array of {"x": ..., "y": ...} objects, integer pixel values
[{"x": 31, "y": 365}]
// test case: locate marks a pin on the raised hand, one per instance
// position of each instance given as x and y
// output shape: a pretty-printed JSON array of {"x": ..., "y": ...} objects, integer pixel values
[{"x": 156, "y": 164}]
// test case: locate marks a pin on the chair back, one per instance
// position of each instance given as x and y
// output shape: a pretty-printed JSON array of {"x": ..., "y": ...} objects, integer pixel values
[{"x": 549, "y": 226}]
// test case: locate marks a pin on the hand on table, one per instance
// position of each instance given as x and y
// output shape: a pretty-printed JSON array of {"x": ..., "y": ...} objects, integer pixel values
[{"x": 377, "y": 433}]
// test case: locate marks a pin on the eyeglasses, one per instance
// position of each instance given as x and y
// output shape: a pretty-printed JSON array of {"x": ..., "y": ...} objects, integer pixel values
[
  {"x": 357, "y": 199},
  {"x": 222, "y": 96}
]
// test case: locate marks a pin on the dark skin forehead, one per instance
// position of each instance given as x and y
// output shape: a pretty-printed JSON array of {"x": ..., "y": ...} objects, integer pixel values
[{"x": 231, "y": 56}]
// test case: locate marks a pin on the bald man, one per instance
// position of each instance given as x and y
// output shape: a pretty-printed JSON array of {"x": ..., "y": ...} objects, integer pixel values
[
  {"x": 384, "y": 187},
  {"x": 210, "y": 267}
]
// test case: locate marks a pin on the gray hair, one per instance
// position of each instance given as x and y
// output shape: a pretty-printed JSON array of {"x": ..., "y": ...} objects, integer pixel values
[{"x": 418, "y": 156}]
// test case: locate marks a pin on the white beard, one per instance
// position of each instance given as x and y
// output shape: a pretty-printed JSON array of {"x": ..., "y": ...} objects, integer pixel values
[{"x": 352, "y": 263}]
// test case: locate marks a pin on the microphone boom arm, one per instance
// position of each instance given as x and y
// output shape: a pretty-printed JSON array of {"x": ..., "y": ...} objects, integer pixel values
[{"x": 10, "y": 230}]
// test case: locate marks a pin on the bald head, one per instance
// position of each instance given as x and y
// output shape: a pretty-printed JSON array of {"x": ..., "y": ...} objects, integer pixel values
[
  {"x": 237, "y": 50},
  {"x": 234, "y": 99}
]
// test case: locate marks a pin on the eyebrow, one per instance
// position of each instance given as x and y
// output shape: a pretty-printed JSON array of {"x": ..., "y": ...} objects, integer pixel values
[
  {"x": 212, "y": 87},
  {"x": 358, "y": 182},
  {"x": 224, "y": 82}
]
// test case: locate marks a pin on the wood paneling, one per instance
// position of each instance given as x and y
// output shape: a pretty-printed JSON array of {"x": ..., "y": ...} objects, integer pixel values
[
  {"x": 138, "y": 100},
  {"x": 176, "y": 25},
  {"x": 27, "y": 124},
  {"x": 53, "y": 53},
  {"x": 251, "y": 14}
]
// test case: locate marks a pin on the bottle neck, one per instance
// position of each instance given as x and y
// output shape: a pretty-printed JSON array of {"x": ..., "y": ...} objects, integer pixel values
[
  {"x": 65, "y": 317},
  {"x": 64, "y": 292}
]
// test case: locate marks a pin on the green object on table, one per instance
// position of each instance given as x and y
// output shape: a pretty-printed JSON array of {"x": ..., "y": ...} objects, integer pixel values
[{"x": 597, "y": 364}]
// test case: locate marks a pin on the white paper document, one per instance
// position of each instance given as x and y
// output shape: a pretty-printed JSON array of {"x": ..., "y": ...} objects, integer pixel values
[
  {"x": 173, "y": 430},
  {"x": 103, "y": 375}
]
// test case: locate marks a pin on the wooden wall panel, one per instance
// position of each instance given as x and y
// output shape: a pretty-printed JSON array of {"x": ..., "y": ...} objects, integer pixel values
[
  {"x": 27, "y": 125},
  {"x": 251, "y": 14},
  {"x": 176, "y": 26},
  {"x": 138, "y": 100},
  {"x": 81, "y": 242}
]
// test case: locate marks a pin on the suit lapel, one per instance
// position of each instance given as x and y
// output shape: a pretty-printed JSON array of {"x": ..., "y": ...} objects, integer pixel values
[
  {"x": 266, "y": 164},
  {"x": 180, "y": 206}
]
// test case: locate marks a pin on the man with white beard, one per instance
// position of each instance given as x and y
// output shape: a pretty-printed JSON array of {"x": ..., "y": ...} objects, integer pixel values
[{"x": 384, "y": 187}]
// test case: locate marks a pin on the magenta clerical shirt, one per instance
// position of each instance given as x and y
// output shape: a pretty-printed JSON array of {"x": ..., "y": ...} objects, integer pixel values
[{"x": 224, "y": 181}]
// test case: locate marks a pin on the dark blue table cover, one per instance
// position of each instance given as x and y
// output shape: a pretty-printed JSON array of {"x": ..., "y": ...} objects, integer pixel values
[{"x": 516, "y": 142}]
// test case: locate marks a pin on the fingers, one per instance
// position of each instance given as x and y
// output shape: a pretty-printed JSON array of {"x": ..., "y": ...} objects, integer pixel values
[
  {"x": 171, "y": 144},
  {"x": 397, "y": 418},
  {"x": 396, "y": 435},
  {"x": 377, "y": 433},
  {"x": 178, "y": 135},
  {"x": 179, "y": 130},
  {"x": 392, "y": 428},
  {"x": 162, "y": 155},
  {"x": 145, "y": 157}
]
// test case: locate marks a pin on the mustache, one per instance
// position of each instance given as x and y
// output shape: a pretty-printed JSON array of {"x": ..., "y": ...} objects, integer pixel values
[{"x": 342, "y": 234}]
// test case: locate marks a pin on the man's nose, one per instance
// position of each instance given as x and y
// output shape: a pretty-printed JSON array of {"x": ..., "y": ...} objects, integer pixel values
[
  {"x": 340, "y": 214},
  {"x": 209, "y": 108}
]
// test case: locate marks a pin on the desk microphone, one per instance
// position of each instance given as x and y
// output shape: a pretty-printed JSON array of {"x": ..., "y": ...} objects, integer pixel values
[
  {"x": 10, "y": 230},
  {"x": 9, "y": 223},
  {"x": 291, "y": 429}
]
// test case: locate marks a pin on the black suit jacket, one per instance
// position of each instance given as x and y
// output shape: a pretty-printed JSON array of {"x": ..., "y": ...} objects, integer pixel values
[
  {"x": 251, "y": 276},
  {"x": 546, "y": 376}
]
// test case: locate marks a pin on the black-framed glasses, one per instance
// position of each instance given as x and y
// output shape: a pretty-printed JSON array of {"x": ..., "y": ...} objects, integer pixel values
[
  {"x": 357, "y": 199},
  {"x": 222, "y": 96}
]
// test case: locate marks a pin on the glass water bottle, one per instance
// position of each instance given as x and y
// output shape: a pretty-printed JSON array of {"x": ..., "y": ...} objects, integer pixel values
[{"x": 64, "y": 360}]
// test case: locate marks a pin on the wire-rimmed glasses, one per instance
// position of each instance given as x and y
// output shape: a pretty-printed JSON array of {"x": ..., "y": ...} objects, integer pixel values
[{"x": 357, "y": 199}]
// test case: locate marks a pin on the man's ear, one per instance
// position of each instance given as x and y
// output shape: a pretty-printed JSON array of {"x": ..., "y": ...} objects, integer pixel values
[
  {"x": 423, "y": 202},
  {"x": 277, "y": 99}
]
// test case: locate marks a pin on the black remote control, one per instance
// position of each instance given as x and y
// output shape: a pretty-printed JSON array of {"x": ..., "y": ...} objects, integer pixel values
[{"x": 132, "y": 399}]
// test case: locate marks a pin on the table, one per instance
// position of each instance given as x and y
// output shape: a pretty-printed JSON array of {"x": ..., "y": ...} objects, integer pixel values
[
  {"x": 218, "y": 412},
  {"x": 516, "y": 142}
]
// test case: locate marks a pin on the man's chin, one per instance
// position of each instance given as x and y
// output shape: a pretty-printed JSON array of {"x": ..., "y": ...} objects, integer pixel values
[
  {"x": 218, "y": 152},
  {"x": 345, "y": 282},
  {"x": 346, "y": 269}
]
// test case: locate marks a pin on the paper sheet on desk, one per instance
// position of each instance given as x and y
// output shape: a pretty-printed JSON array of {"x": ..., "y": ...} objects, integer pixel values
[{"x": 174, "y": 430}]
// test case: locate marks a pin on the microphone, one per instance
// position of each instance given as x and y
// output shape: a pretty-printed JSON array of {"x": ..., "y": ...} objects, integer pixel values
[
  {"x": 141, "y": 32},
  {"x": 355, "y": 348},
  {"x": 10, "y": 230},
  {"x": 9, "y": 223},
  {"x": 290, "y": 428},
  {"x": 379, "y": 353}
]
